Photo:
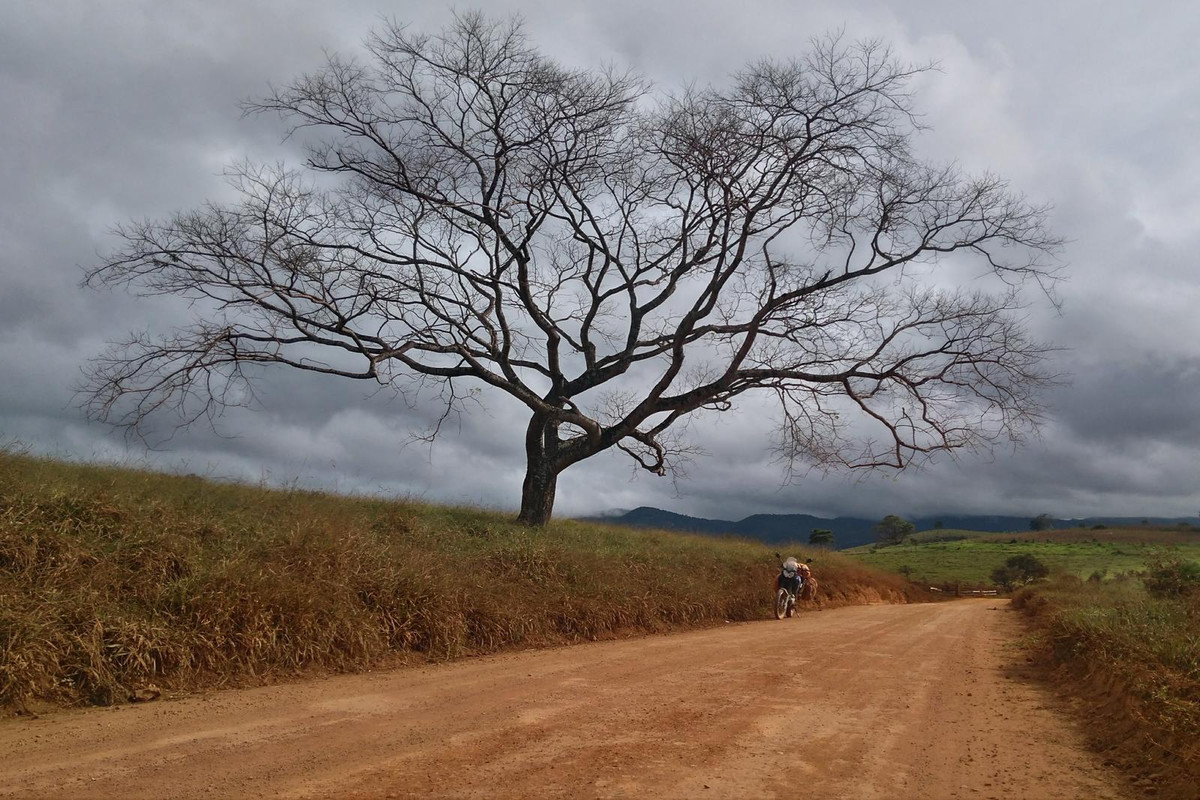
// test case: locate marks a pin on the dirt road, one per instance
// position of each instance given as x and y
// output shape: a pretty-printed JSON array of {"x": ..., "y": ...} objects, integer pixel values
[{"x": 871, "y": 701}]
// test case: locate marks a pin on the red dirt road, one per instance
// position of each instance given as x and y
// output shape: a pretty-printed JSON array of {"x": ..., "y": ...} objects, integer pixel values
[{"x": 863, "y": 702}]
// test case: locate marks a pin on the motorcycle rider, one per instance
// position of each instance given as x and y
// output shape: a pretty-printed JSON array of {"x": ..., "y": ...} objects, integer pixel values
[{"x": 790, "y": 576}]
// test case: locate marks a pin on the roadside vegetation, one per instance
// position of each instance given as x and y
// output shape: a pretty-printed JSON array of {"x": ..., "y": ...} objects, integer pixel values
[
  {"x": 113, "y": 579},
  {"x": 1131, "y": 647}
]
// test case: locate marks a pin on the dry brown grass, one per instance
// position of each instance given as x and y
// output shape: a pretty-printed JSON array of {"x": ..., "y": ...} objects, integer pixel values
[{"x": 111, "y": 579}]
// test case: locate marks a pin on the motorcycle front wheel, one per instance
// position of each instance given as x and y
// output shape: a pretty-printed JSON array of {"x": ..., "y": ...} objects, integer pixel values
[{"x": 781, "y": 603}]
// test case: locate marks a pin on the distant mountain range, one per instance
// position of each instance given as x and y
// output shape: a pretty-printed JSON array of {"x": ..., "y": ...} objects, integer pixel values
[{"x": 847, "y": 531}]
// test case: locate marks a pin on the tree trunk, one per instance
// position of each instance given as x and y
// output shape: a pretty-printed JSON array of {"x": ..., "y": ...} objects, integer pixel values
[{"x": 541, "y": 471}]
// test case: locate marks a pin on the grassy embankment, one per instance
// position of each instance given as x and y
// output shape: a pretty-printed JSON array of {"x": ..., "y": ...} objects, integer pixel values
[
  {"x": 942, "y": 557},
  {"x": 1134, "y": 656},
  {"x": 111, "y": 579}
]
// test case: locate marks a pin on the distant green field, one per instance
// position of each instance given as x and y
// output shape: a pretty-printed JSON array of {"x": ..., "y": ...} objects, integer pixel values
[{"x": 972, "y": 559}]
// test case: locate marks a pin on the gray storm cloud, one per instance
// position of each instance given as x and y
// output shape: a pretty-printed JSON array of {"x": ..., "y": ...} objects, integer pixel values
[{"x": 129, "y": 110}]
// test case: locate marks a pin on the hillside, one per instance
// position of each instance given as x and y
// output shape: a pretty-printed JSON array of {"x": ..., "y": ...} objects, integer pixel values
[
  {"x": 849, "y": 531},
  {"x": 112, "y": 579}
]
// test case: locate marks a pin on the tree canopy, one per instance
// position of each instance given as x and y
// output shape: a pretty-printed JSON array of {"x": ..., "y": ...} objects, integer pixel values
[
  {"x": 1042, "y": 522},
  {"x": 893, "y": 530},
  {"x": 1019, "y": 570},
  {"x": 613, "y": 257}
]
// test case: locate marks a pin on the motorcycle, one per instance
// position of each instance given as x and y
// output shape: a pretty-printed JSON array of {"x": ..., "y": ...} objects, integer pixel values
[{"x": 785, "y": 594}]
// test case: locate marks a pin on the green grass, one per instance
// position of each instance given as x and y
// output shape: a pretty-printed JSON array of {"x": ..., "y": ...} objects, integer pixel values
[
  {"x": 971, "y": 559},
  {"x": 1135, "y": 657},
  {"x": 113, "y": 578}
]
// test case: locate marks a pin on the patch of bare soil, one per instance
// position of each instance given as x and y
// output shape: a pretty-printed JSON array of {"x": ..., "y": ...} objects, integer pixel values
[{"x": 888, "y": 701}]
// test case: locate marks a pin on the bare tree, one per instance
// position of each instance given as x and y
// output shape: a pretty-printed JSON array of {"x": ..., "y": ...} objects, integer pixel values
[{"x": 613, "y": 258}]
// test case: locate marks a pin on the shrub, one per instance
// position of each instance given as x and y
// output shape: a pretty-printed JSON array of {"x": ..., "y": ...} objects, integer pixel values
[
  {"x": 1168, "y": 575},
  {"x": 1018, "y": 571}
]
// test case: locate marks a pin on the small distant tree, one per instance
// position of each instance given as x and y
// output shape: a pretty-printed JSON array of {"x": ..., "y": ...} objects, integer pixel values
[
  {"x": 906, "y": 571},
  {"x": 820, "y": 536},
  {"x": 1042, "y": 522},
  {"x": 893, "y": 530},
  {"x": 938, "y": 525},
  {"x": 1018, "y": 571}
]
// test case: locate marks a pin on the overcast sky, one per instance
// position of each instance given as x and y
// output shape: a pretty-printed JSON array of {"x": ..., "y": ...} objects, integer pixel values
[{"x": 118, "y": 110}]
